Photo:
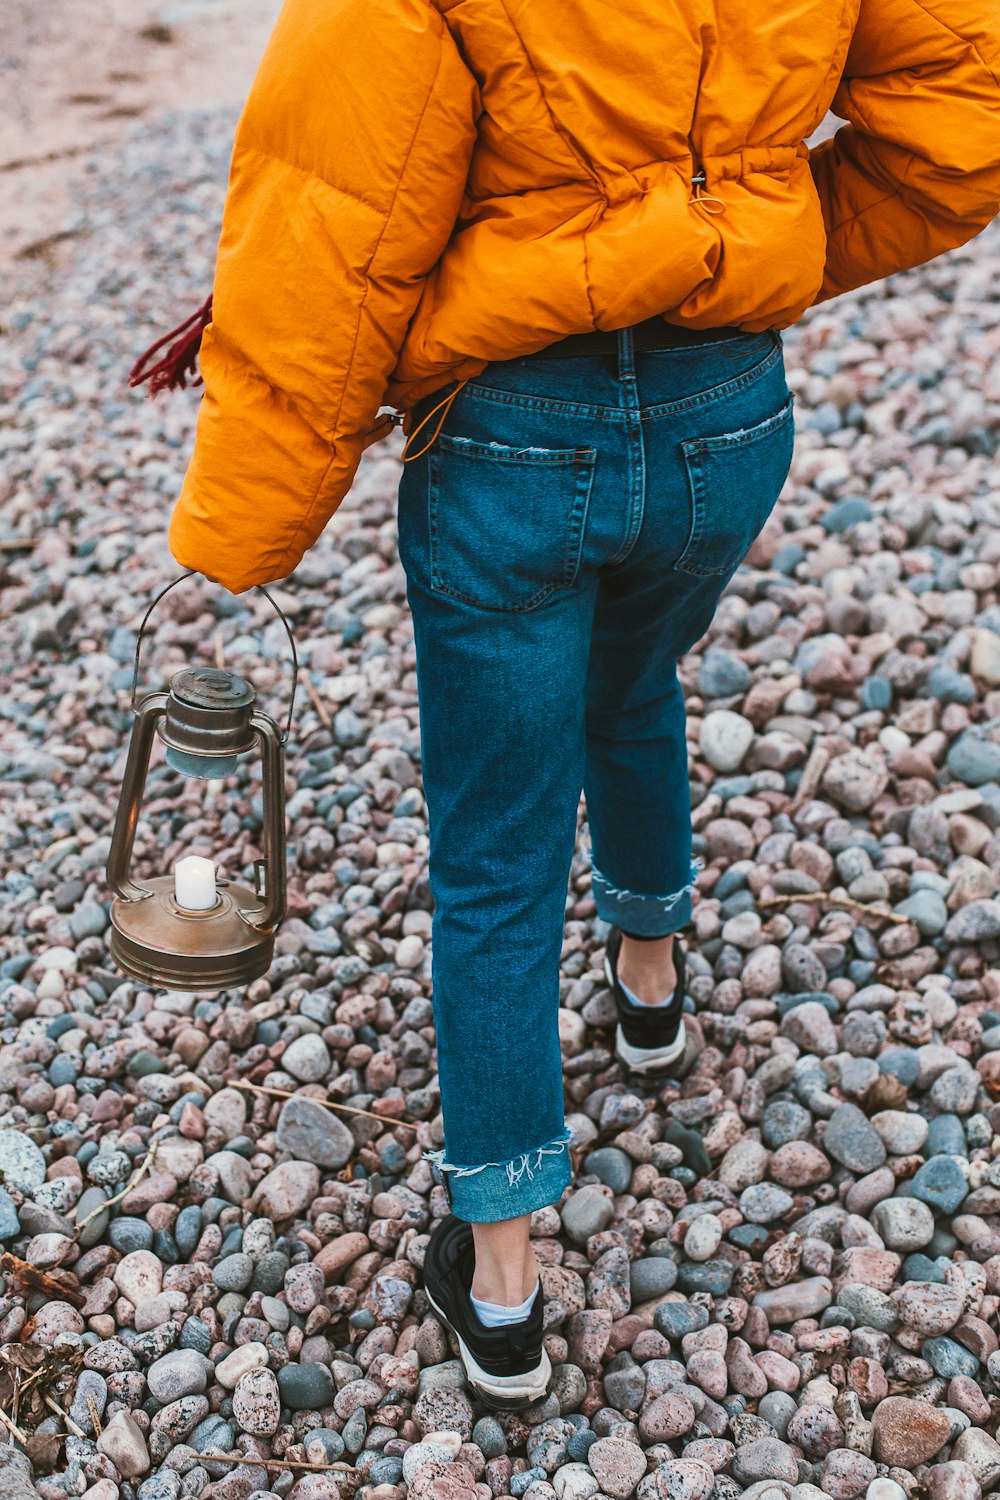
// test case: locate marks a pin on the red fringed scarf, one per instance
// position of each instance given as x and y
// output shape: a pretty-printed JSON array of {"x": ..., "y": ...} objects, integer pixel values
[{"x": 170, "y": 372}]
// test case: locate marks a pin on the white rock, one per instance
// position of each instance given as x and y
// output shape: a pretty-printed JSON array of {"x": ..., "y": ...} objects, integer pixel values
[
  {"x": 574, "y": 1482},
  {"x": 984, "y": 660},
  {"x": 63, "y": 960},
  {"x": 21, "y": 1161},
  {"x": 229, "y": 1371},
  {"x": 179, "y": 1156},
  {"x": 226, "y": 1111},
  {"x": 902, "y": 1132},
  {"x": 409, "y": 951},
  {"x": 445, "y": 1439},
  {"x": 424, "y": 1453},
  {"x": 158, "y": 1310},
  {"x": 743, "y": 931},
  {"x": 307, "y": 1059},
  {"x": 572, "y": 1032},
  {"x": 893, "y": 740},
  {"x": 123, "y": 1442},
  {"x": 51, "y": 986},
  {"x": 139, "y": 1276},
  {"x": 703, "y": 1238},
  {"x": 885, "y": 1489},
  {"x": 725, "y": 739},
  {"x": 235, "y": 1175}
]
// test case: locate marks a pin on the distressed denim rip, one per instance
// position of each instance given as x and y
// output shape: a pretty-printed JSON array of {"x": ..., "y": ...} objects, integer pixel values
[{"x": 565, "y": 539}]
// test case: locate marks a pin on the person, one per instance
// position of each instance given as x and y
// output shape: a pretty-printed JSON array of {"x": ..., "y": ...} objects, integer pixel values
[{"x": 562, "y": 242}]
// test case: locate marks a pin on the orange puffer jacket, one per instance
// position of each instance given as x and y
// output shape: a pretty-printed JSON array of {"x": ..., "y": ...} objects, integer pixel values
[{"x": 421, "y": 186}]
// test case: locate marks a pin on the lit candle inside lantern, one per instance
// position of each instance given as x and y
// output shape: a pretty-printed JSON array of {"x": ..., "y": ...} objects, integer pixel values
[{"x": 194, "y": 883}]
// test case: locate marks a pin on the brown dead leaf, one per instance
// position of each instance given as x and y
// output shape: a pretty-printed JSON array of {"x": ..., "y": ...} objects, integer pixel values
[
  {"x": 886, "y": 1092},
  {"x": 43, "y": 1450},
  {"x": 28, "y": 1373},
  {"x": 61, "y": 1286}
]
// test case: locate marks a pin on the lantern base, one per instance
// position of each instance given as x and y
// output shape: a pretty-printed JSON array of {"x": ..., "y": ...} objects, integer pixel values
[{"x": 165, "y": 946}]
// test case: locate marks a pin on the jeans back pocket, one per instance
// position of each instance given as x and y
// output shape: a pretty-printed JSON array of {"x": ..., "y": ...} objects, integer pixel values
[
  {"x": 506, "y": 524},
  {"x": 735, "y": 480}
]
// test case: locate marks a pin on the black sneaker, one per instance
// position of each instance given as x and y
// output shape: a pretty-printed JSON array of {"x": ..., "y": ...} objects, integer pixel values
[
  {"x": 507, "y": 1367},
  {"x": 649, "y": 1040}
]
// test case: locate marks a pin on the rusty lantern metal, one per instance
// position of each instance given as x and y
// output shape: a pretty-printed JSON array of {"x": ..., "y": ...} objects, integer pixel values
[{"x": 207, "y": 718}]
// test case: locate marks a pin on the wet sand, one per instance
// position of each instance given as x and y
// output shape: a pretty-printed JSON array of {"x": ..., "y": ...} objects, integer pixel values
[{"x": 77, "y": 76}]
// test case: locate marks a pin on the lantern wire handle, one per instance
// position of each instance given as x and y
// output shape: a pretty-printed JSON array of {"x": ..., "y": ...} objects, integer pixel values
[
  {"x": 288, "y": 631},
  {"x": 295, "y": 659}
]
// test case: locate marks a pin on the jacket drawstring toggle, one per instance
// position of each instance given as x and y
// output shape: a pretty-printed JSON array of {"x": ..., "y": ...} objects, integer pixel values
[{"x": 702, "y": 199}]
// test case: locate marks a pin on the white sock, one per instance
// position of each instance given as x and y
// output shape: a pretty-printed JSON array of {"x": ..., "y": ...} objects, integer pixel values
[
  {"x": 643, "y": 1004},
  {"x": 495, "y": 1315}
]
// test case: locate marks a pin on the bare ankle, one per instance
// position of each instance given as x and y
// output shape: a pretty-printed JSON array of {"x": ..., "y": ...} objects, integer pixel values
[
  {"x": 506, "y": 1269},
  {"x": 647, "y": 968}
]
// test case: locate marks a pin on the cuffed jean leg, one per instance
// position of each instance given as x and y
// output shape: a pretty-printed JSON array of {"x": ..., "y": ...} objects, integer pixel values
[
  {"x": 501, "y": 716},
  {"x": 638, "y": 812},
  {"x": 636, "y": 779}
]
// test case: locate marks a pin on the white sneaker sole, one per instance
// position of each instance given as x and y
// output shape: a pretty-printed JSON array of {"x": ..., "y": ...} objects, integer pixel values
[
  {"x": 507, "y": 1392},
  {"x": 645, "y": 1059},
  {"x": 650, "y": 1059}
]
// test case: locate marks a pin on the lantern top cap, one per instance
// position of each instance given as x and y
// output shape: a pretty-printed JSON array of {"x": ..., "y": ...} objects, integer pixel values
[{"x": 212, "y": 688}]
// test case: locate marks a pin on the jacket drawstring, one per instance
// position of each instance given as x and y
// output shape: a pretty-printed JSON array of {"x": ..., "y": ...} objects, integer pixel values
[
  {"x": 701, "y": 199},
  {"x": 446, "y": 403}
]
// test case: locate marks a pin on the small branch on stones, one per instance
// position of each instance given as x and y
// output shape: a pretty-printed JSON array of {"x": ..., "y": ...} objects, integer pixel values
[
  {"x": 101, "y": 1208},
  {"x": 350, "y": 1109},
  {"x": 12, "y": 1427},
  {"x": 95, "y": 1416},
  {"x": 323, "y": 713},
  {"x": 282, "y": 1463},
  {"x": 71, "y": 1426},
  {"x": 824, "y": 896}
]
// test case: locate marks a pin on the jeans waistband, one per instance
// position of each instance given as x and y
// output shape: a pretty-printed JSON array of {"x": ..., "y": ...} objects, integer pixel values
[{"x": 654, "y": 333}]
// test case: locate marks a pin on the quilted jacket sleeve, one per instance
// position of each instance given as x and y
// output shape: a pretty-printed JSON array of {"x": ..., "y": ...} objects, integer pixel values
[
  {"x": 917, "y": 170},
  {"x": 348, "y": 170}
]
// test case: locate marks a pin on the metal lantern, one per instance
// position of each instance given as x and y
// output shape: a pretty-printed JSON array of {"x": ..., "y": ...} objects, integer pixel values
[{"x": 193, "y": 930}]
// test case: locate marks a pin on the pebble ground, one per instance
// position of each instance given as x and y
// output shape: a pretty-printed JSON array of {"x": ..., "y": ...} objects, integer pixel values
[{"x": 777, "y": 1278}]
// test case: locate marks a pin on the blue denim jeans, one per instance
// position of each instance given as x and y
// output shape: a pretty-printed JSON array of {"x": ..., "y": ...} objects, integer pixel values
[{"x": 565, "y": 539}]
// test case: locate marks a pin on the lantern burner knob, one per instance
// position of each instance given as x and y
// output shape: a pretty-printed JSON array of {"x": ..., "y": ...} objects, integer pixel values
[{"x": 210, "y": 687}]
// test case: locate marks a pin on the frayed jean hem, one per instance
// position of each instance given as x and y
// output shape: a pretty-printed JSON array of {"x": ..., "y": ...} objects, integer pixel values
[
  {"x": 648, "y": 916},
  {"x": 504, "y": 1190}
]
